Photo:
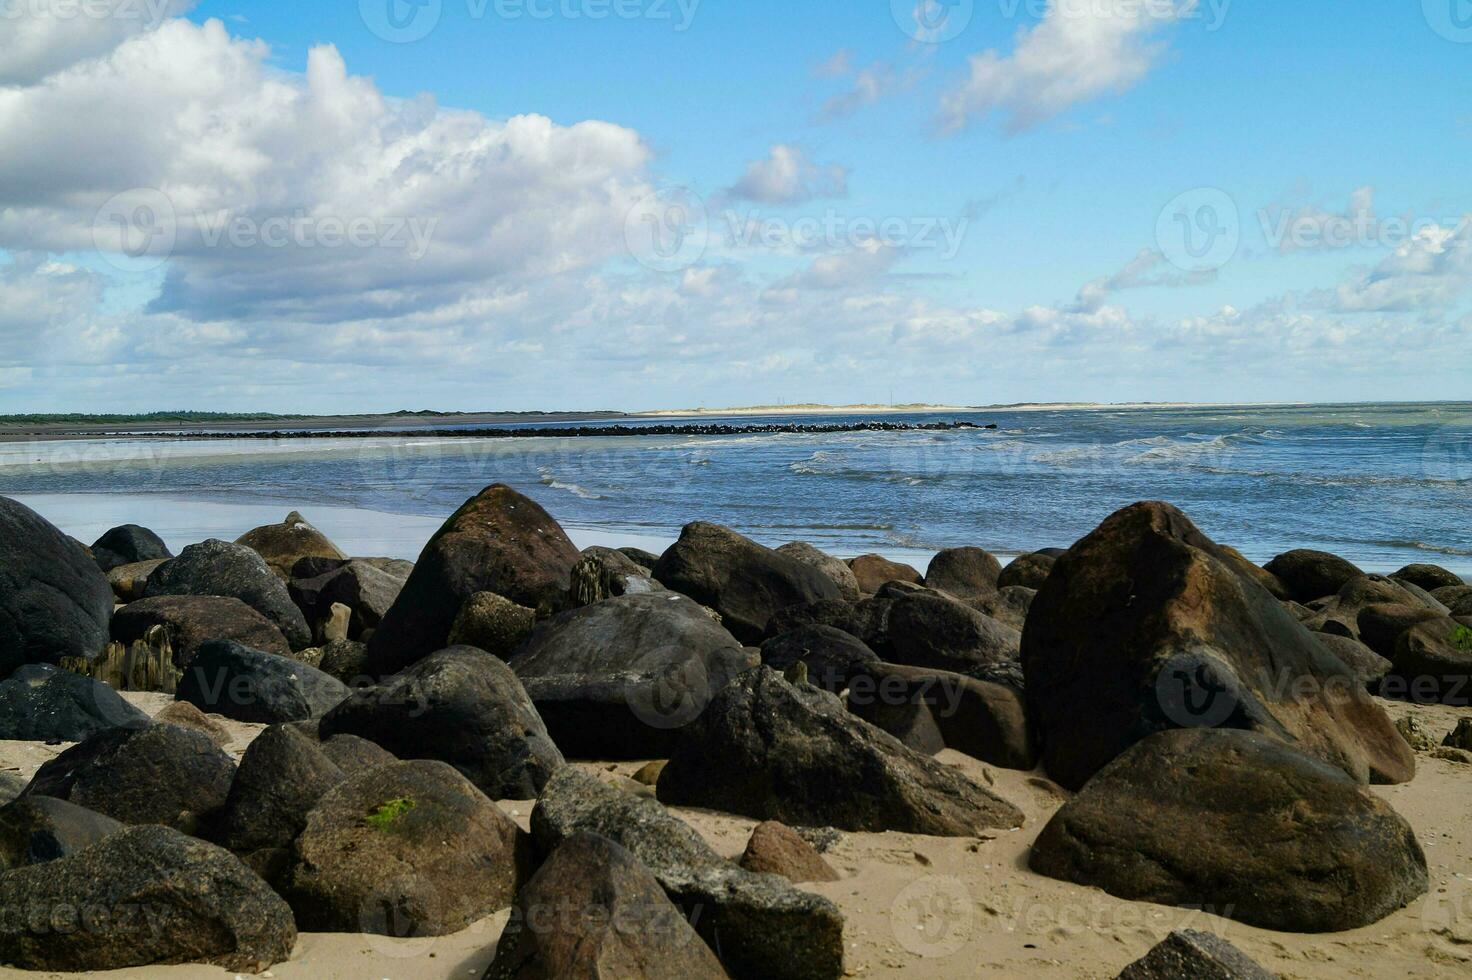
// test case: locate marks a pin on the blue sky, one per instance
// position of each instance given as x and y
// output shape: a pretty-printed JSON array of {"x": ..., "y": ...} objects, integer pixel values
[{"x": 992, "y": 214}]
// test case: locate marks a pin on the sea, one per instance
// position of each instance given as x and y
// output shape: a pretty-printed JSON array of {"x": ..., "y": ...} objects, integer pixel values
[{"x": 1383, "y": 485}]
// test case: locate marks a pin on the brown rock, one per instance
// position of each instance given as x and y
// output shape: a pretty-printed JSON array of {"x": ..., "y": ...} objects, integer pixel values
[
  {"x": 775, "y": 848},
  {"x": 873, "y": 571}
]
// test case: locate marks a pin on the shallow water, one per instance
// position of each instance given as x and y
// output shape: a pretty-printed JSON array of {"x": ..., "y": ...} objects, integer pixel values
[{"x": 1383, "y": 485}]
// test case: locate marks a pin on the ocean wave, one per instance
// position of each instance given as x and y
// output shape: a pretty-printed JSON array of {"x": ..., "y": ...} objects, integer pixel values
[
  {"x": 1423, "y": 546},
  {"x": 550, "y": 481}
]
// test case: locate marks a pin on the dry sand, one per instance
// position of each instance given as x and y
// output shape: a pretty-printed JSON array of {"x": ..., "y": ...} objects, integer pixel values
[{"x": 952, "y": 908}]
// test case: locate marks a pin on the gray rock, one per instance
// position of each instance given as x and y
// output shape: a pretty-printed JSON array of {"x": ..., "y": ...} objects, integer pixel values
[
  {"x": 1190, "y": 955},
  {"x": 38, "y": 829},
  {"x": 964, "y": 572},
  {"x": 39, "y": 703},
  {"x": 126, "y": 545},
  {"x": 227, "y": 678},
  {"x": 837, "y": 570},
  {"x": 367, "y": 589},
  {"x": 832, "y": 656},
  {"x": 927, "y": 629},
  {"x": 222, "y": 569},
  {"x": 494, "y": 624},
  {"x": 281, "y": 777}
]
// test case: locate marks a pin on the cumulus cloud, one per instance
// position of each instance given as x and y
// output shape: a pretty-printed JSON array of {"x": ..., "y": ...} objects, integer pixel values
[
  {"x": 787, "y": 176},
  {"x": 1426, "y": 275},
  {"x": 39, "y": 37},
  {"x": 1076, "y": 53}
]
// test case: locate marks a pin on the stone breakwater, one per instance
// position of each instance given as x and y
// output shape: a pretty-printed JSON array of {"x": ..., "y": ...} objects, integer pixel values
[{"x": 587, "y": 431}]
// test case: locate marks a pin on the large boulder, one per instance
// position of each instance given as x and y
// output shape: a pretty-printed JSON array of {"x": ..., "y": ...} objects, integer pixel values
[
  {"x": 831, "y": 656},
  {"x": 126, "y": 545},
  {"x": 964, "y": 572},
  {"x": 1312, "y": 575},
  {"x": 1381, "y": 624},
  {"x": 836, "y": 569},
  {"x": 1027, "y": 571},
  {"x": 461, "y": 706},
  {"x": 761, "y": 926},
  {"x": 1190, "y": 955},
  {"x": 594, "y": 912},
  {"x": 1429, "y": 577},
  {"x": 622, "y": 678},
  {"x": 1365, "y": 665},
  {"x": 39, "y": 703},
  {"x": 222, "y": 569},
  {"x": 281, "y": 777},
  {"x": 738, "y": 578},
  {"x": 498, "y": 541},
  {"x": 772, "y": 750},
  {"x": 160, "y": 774},
  {"x": 142, "y": 897},
  {"x": 873, "y": 572},
  {"x": 927, "y": 629},
  {"x": 191, "y": 621},
  {"x": 54, "y": 600},
  {"x": 1239, "y": 824},
  {"x": 38, "y": 829},
  {"x": 1145, "y": 625},
  {"x": 492, "y": 623},
  {"x": 409, "y": 849},
  {"x": 1432, "y": 664},
  {"x": 283, "y": 545},
  {"x": 867, "y": 619},
  {"x": 602, "y": 573},
  {"x": 363, "y": 586},
  {"x": 230, "y": 679}
]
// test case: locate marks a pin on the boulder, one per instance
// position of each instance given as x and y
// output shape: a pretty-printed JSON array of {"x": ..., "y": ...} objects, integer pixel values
[
  {"x": 39, "y": 703},
  {"x": 127, "y": 545},
  {"x": 186, "y": 715},
  {"x": 366, "y": 589},
  {"x": 1432, "y": 664},
  {"x": 1007, "y": 606},
  {"x": 984, "y": 720},
  {"x": 770, "y": 750},
  {"x": 622, "y": 678},
  {"x": 776, "y": 849},
  {"x": 1461, "y": 736},
  {"x": 498, "y": 541},
  {"x": 216, "y": 568},
  {"x": 1028, "y": 571},
  {"x": 141, "y": 897},
  {"x": 160, "y": 774},
  {"x": 761, "y": 926},
  {"x": 409, "y": 849},
  {"x": 832, "y": 656},
  {"x": 1312, "y": 575},
  {"x": 1239, "y": 824},
  {"x": 494, "y": 624},
  {"x": 1366, "y": 666},
  {"x": 1454, "y": 596},
  {"x": 602, "y": 573},
  {"x": 130, "y": 582},
  {"x": 964, "y": 572},
  {"x": 644, "y": 559},
  {"x": 927, "y": 629},
  {"x": 347, "y": 660},
  {"x": 283, "y": 545},
  {"x": 191, "y": 621},
  {"x": 54, "y": 600},
  {"x": 592, "y": 911},
  {"x": 38, "y": 829},
  {"x": 836, "y": 569},
  {"x": 867, "y": 619},
  {"x": 874, "y": 571},
  {"x": 1144, "y": 626},
  {"x": 281, "y": 777},
  {"x": 1380, "y": 625},
  {"x": 230, "y": 679},
  {"x": 1190, "y": 955},
  {"x": 738, "y": 578},
  {"x": 461, "y": 706},
  {"x": 12, "y": 784},
  {"x": 1430, "y": 577}
]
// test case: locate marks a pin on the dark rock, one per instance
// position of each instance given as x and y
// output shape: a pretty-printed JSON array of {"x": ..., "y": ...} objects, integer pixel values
[
  {"x": 984, "y": 720},
  {"x": 832, "y": 656},
  {"x": 230, "y": 679},
  {"x": 283, "y": 545},
  {"x": 644, "y": 559},
  {"x": 186, "y": 715},
  {"x": 1429, "y": 577},
  {"x": 772, "y": 751},
  {"x": 38, "y": 829},
  {"x": 494, "y": 624},
  {"x": 498, "y": 541},
  {"x": 1433, "y": 664},
  {"x": 347, "y": 660},
  {"x": 964, "y": 572},
  {"x": 874, "y": 571},
  {"x": 1142, "y": 626},
  {"x": 220, "y": 569},
  {"x": 409, "y": 849},
  {"x": 1239, "y": 824},
  {"x": 621, "y": 679},
  {"x": 39, "y": 703},
  {"x": 1190, "y": 955},
  {"x": 362, "y": 586},
  {"x": 1007, "y": 606},
  {"x": 1380, "y": 625},
  {"x": 54, "y": 600},
  {"x": 353, "y": 754},
  {"x": 867, "y": 619},
  {"x": 143, "y": 896},
  {"x": 1028, "y": 571},
  {"x": 281, "y": 777},
  {"x": 593, "y": 911},
  {"x": 12, "y": 784},
  {"x": 1461, "y": 736},
  {"x": 126, "y": 545},
  {"x": 836, "y": 569},
  {"x": 1453, "y": 595},
  {"x": 602, "y": 573},
  {"x": 461, "y": 706},
  {"x": 760, "y": 925},
  {"x": 931, "y": 630},
  {"x": 156, "y": 774},
  {"x": 743, "y": 581},
  {"x": 191, "y": 621},
  {"x": 1365, "y": 665},
  {"x": 1312, "y": 574},
  {"x": 776, "y": 849}
]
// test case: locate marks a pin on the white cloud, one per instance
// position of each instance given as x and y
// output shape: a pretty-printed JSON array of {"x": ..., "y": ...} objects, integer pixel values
[
  {"x": 1148, "y": 269},
  {"x": 1428, "y": 275},
  {"x": 787, "y": 176},
  {"x": 39, "y": 37}
]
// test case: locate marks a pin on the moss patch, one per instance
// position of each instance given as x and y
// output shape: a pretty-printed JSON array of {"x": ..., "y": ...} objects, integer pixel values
[{"x": 384, "y": 817}]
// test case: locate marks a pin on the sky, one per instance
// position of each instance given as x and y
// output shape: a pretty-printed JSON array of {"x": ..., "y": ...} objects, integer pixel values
[{"x": 372, "y": 205}]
